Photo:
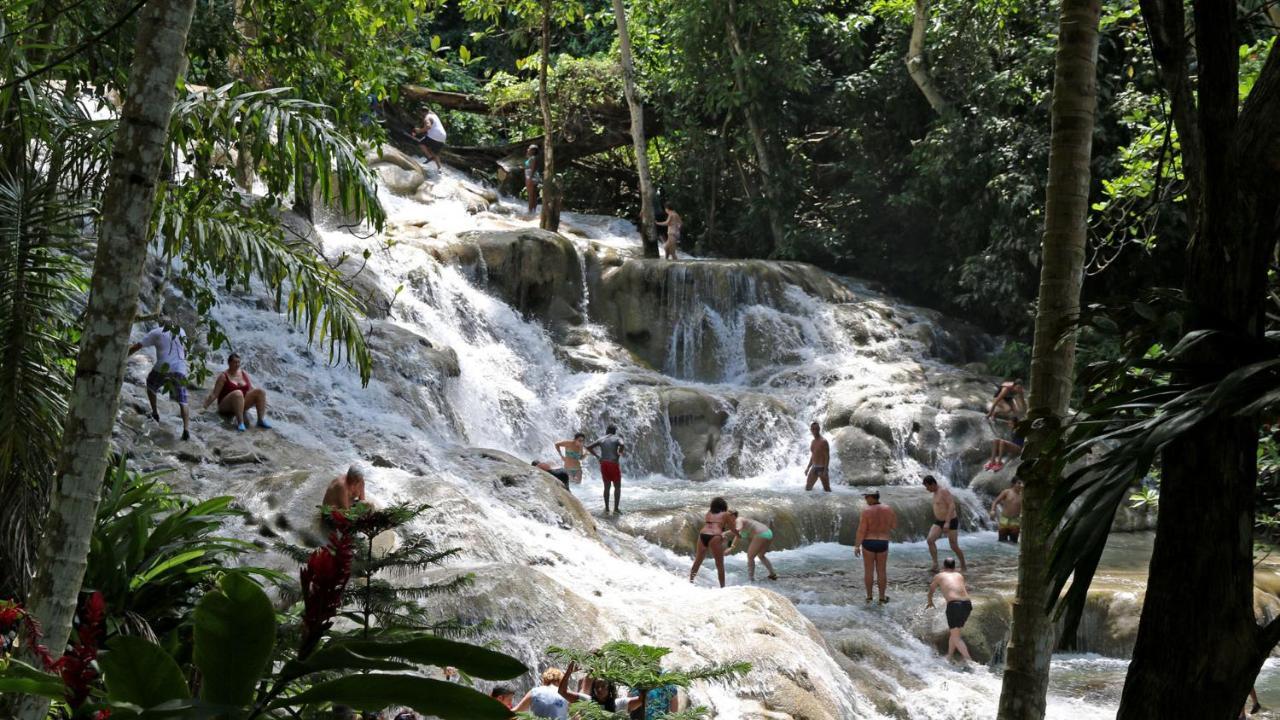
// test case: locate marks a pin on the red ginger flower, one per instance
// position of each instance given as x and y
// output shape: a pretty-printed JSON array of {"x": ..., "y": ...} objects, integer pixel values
[
  {"x": 11, "y": 614},
  {"x": 324, "y": 580}
]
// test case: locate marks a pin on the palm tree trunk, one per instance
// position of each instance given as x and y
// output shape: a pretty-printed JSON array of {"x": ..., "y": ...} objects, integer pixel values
[
  {"x": 647, "y": 228},
  {"x": 1075, "y": 100},
  {"x": 127, "y": 207},
  {"x": 769, "y": 180},
  {"x": 550, "y": 217}
]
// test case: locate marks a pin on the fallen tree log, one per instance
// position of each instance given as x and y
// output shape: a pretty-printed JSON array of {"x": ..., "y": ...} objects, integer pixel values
[{"x": 445, "y": 99}]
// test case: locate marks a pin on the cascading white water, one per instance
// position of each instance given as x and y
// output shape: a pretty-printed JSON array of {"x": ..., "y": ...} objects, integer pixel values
[{"x": 768, "y": 360}]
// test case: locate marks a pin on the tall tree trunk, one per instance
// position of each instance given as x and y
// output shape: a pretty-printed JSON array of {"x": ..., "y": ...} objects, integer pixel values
[
  {"x": 1075, "y": 100},
  {"x": 1199, "y": 648},
  {"x": 754, "y": 127},
  {"x": 127, "y": 208},
  {"x": 550, "y": 218},
  {"x": 647, "y": 228},
  {"x": 918, "y": 64}
]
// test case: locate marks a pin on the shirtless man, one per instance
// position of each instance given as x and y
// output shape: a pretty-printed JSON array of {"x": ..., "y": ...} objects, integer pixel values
[
  {"x": 346, "y": 490},
  {"x": 610, "y": 451},
  {"x": 945, "y": 517},
  {"x": 951, "y": 583},
  {"x": 674, "y": 226},
  {"x": 872, "y": 541},
  {"x": 1010, "y": 517},
  {"x": 819, "y": 459}
]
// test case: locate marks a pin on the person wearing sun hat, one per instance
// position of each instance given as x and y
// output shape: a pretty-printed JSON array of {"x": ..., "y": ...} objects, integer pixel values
[{"x": 872, "y": 541}]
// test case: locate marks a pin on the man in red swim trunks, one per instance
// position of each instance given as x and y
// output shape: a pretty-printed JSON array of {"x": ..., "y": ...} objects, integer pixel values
[{"x": 610, "y": 454}]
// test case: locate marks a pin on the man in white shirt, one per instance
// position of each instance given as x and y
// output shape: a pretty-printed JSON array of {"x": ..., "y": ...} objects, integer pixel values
[
  {"x": 430, "y": 136},
  {"x": 169, "y": 372}
]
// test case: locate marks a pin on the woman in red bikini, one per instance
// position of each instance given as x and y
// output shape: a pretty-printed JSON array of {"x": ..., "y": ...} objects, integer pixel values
[{"x": 235, "y": 392}]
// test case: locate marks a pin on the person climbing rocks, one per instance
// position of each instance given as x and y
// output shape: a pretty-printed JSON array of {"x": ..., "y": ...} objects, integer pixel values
[
  {"x": 558, "y": 473},
  {"x": 711, "y": 537},
  {"x": 611, "y": 449},
  {"x": 758, "y": 537},
  {"x": 346, "y": 490},
  {"x": 1001, "y": 447},
  {"x": 951, "y": 583},
  {"x": 602, "y": 692},
  {"x": 819, "y": 460},
  {"x": 1009, "y": 518},
  {"x": 234, "y": 392},
  {"x": 532, "y": 175},
  {"x": 946, "y": 517},
  {"x": 553, "y": 697},
  {"x": 169, "y": 372},
  {"x": 571, "y": 454},
  {"x": 1009, "y": 401},
  {"x": 658, "y": 703},
  {"x": 430, "y": 136},
  {"x": 675, "y": 226},
  {"x": 872, "y": 542}
]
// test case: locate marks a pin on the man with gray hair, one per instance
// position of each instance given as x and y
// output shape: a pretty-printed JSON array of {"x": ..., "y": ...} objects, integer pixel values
[{"x": 346, "y": 490}]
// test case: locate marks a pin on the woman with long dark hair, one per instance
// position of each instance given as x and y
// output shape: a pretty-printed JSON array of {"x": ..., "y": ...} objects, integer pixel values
[{"x": 711, "y": 536}]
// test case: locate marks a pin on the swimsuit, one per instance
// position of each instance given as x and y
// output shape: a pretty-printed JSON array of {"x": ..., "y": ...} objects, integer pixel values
[
  {"x": 229, "y": 387},
  {"x": 575, "y": 473},
  {"x": 610, "y": 472},
  {"x": 706, "y": 538},
  {"x": 958, "y": 612},
  {"x": 875, "y": 546},
  {"x": 819, "y": 469},
  {"x": 953, "y": 524},
  {"x": 1014, "y": 523}
]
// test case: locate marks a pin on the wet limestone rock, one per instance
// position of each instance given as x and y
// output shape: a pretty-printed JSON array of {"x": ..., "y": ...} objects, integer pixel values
[
  {"x": 400, "y": 173},
  {"x": 985, "y": 633},
  {"x": 696, "y": 420},
  {"x": 864, "y": 458},
  {"x": 537, "y": 272}
]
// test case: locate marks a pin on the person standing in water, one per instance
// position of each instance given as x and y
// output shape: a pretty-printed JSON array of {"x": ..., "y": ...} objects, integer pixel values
[
  {"x": 532, "y": 175},
  {"x": 945, "y": 517},
  {"x": 675, "y": 226},
  {"x": 872, "y": 542},
  {"x": 611, "y": 449},
  {"x": 959, "y": 606},
  {"x": 1010, "y": 516},
  {"x": 169, "y": 373},
  {"x": 571, "y": 454},
  {"x": 758, "y": 536},
  {"x": 819, "y": 460},
  {"x": 711, "y": 536},
  {"x": 430, "y": 136}
]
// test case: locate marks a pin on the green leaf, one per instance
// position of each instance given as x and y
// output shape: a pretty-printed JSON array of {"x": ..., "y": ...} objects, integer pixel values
[
  {"x": 140, "y": 672},
  {"x": 338, "y": 657},
  {"x": 376, "y": 691},
  {"x": 431, "y": 650},
  {"x": 435, "y": 42},
  {"x": 464, "y": 53},
  {"x": 176, "y": 560},
  {"x": 235, "y": 630},
  {"x": 20, "y": 677}
]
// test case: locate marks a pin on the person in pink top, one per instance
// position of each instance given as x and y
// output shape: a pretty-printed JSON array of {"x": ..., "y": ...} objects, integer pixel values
[
  {"x": 235, "y": 392},
  {"x": 872, "y": 541}
]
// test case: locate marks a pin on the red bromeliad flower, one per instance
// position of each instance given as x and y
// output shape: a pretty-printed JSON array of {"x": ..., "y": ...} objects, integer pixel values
[
  {"x": 75, "y": 667},
  {"x": 11, "y": 613},
  {"x": 324, "y": 580}
]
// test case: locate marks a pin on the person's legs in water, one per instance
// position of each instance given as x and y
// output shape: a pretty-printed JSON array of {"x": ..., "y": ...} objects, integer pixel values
[
  {"x": 760, "y": 546},
  {"x": 186, "y": 420},
  {"x": 155, "y": 382},
  {"x": 751, "y": 561},
  {"x": 882, "y": 564},
  {"x": 868, "y": 571},
  {"x": 717, "y": 551},
  {"x": 698, "y": 556},
  {"x": 810, "y": 481},
  {"x": 826, "y": 480},
  {"x": 233, "y": 405},
  {"x": 531, "y": 189},
  {"x": 617, "y": 496},
  {"x": 257, "y": 399},
  {"x": 953, "y": 537},
  {"x": 935, "y": 532},
  {"x": 956, "y": 643},
  {"x": 606, "y": 496}
]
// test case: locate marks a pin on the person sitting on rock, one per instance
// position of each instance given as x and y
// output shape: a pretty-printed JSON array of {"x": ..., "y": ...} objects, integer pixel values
[
  {"x": 711, "y": 537},
  {"x": 571, "y": 454},
  {"x": 1001, "y": 448},
  {"x": 235, "y": 392},
  {"x": 1010, "y": 517},
  {"x": 951, "y": 582},
  {"x": 558, "y": 473},
  {"x": 430, "y": 136},
  {"x": 675, "y": 227},
  {"x": 758, "y": 536},
  {"x": 346, "y": 490}
]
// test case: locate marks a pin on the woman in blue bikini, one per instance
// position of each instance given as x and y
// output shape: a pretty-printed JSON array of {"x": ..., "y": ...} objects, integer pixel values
[
  {"x": 758, "y": 536},
  {"x": 571, "y": 452}
]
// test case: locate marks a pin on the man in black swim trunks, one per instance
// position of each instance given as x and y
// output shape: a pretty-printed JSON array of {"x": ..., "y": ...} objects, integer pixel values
[
  {"x": 558, "y": 473},
  {"x": 945, "y": 517},
  {"x": 951, "y": 583}
]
